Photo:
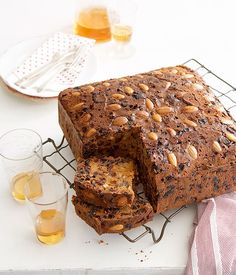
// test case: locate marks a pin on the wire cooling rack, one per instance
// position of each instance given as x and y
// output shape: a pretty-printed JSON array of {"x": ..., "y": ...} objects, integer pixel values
[{"x": 61, "y": 160}]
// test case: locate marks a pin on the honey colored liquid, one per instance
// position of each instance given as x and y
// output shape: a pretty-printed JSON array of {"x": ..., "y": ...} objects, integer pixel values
[
  {"x": 93, "y": 23},
  {"x": 18, "y": 185},
  {"x": 121, "y": 33},
  {"x": 50, "y": 226}
]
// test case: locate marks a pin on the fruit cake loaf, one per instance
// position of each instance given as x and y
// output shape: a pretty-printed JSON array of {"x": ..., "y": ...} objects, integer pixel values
[
  {"x": 168, "y": 120},
  {"x": 105, "y": 220},
  {"x": 105, "y": 181}
]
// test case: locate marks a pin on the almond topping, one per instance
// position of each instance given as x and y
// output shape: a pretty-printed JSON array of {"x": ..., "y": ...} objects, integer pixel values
[
  {"x": 78, "y": 106},
  {"x": 89, "y": 88},
  {"x": 119, "y": 121},
  {"x": 129, "y": 90},
  {"x": 91, "y": 132},
  {"x": 168, "y": 84},
  {"x": 106, "y": 84},
  {"x": 216, "y": 147},
  {"x": 174, "y": 71},
  {"x": 198, "y": 87},
  {"x": 187, "y": 76},
  {"x": 190, "y": 109},
  {"x": 190, "y": 122},
  {"x": 231, "y": 137},
  {"x": 149, "y": 104},
  {"x": 114, "y": 107},
  {"x": 164, "y": 110},
  {"x": 123, "y": 79},
  {"x": 171, "y": 131},
  {"x": 118, "y": 96},
  {"x": 226, "y": 121},
  {"x": 116, "y": 227},
  {"x": 157, "y": 118},
  {"x": 76, "y": 94},
  {"x": 142, "y": 114},
  {"x": 152, "y": 136},
  {"x": 144, "y": 87},
  {"x": 172, "y": 159},
  {"x": 192, "y": 151},
  {"x": 180, "y": 94},
  {"x": 157, "y": 72},
  {"x": 85, "y": 118}
]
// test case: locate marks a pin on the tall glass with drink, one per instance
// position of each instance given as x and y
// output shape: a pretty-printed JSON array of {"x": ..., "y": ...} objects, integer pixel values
[{"x": 48, "y": 211}]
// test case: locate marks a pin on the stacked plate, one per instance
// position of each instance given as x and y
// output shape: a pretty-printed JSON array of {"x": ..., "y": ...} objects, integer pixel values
[{"x": 49, "y": 82}]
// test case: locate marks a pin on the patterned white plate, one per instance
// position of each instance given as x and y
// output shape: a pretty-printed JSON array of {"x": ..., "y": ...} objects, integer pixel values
[{"x": 14, "y": 56}]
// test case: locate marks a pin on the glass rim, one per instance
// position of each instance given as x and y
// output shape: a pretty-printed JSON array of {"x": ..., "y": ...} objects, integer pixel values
[
  {"x": 53, "y": 202},
  {"x": 21, "y": 129}
]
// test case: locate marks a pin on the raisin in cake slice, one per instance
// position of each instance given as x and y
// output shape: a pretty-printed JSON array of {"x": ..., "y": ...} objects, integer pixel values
[
  {"x": 105, "y": 220},
  {"x": 105, "y": 181}
]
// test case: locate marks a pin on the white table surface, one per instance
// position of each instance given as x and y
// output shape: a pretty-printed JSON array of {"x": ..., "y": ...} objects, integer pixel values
[{"x": 167, "y": 33}]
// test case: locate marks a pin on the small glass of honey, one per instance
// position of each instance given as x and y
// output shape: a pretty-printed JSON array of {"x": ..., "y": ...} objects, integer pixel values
[
  {"x": 21, "y": 155},
  {"x": 122, "y": 14},
  {"x": 48, "y": 211}
]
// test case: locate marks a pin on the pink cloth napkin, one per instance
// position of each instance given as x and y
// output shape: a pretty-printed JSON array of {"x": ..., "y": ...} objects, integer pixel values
[{"x": 213, "y": 244}]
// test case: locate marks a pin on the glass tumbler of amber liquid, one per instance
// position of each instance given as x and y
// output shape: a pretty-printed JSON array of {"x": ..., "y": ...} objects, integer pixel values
[
  {"x": 21, "y": 155},
  {"x": 92, "y": 20},
  {"x": 122, "y": 14},
  {"x": 48, "y": 211}
]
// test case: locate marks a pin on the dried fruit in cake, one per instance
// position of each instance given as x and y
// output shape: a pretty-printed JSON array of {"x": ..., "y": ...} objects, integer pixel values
[
  {"x": 105, "y": 181},
  {"x": 105, "y": 220}
]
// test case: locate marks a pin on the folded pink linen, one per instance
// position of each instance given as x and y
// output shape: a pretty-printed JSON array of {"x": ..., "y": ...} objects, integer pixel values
[{"x": 213, "y": 244}]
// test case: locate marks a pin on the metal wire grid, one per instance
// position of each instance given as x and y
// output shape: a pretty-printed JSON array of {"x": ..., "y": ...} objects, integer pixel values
[
  {"x": 223, "y": 90},
  {"x": 66, "y": 167}
]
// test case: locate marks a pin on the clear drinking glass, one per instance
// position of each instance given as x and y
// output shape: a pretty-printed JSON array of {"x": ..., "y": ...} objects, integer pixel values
[
  {"x": 122, "y": 14},
  {"x": 92, "y": 20},
  {"x": 21, "y": 155},
  {"x": 48, "y": 210}
]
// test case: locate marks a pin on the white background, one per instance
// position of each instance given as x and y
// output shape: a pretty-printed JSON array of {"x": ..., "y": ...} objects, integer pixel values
[{"x": 167, "y": 33}]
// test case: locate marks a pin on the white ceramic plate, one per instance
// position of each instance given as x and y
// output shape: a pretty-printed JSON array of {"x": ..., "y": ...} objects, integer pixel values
[{"x": 16, "y": 55}]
